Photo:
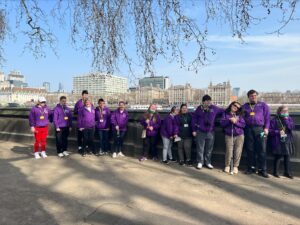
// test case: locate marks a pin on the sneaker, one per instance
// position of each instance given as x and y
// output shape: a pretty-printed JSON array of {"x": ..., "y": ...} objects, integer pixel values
[
  {"x": 37, "y": 155},
  {"x": 114, "y": 155},
  {"x": 65, "y": 153},
  {"x": 173, "y": 160},
  {"x": 235, "y": 170},
  {"x": 209, "y": 166},
  {"x": 165, "y": 162},
  {"x": 288, "y": 175},
  {"x": 189, "y": 163},
  {"x": 199, "y": 166},
  {"x": 276, "y": 175},
  {"x": 44, "y": 155},
  {"x": 181, "y": 163},
  {"x": 83, "y": 155},
  {"x": 101, "y": 152},
  {"x": 154, "y": 158},
  {"x": 60, "y": 155},
  {"x": 263, "y": 174},
  {"x": 143, "y": 159},
  {"x": 121, "y": 154},
  {"x": 227, "y": 169}
]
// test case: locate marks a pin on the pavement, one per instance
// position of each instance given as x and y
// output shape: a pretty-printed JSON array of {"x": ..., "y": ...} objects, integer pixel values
[{"x": 124, "y": 191}]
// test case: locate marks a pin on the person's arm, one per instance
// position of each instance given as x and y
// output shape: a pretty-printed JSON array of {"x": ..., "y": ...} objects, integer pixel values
[
  {"x": 157, "y": 124},
  {"x": 70, "y": 118},
  {"x": 80, "y": 119},
  {"x": 240, "y": 122},
  {"x": 32, "y": 121},
  {"x": 273, "y": 131},
  {"x": 267, "y": 116},
  {"x": 97, "y": 114},
  {"x": 194, "y": 122},
  {"x": 176, "y": 125},
  {"x": 55, "y": 117},
  {"x": 113, "y": 119},
  {"x": 225, "y": 122},
  {"x": 290, "y": 123}
]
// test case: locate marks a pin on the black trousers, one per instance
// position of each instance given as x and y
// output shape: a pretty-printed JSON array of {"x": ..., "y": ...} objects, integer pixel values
[
  {"x": 61, "y": 138},
  {"x": 88, "y": 140},
  {"x": 79, "y": 138},
  {"x": 118, "y": 140},
  {"x": 149, "y": 146},
  {"x": 286, "y": 163},
  {"x": 256, "y": 147}
]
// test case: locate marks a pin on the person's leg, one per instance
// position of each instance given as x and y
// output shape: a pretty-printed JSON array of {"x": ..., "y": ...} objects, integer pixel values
[
  {"x": 91, "y": 134},
  {"x": 116, "y": 142},
  {"x": 229, "y": 151},
  {"x": 85, "y": 135},
  {"x": 180, "y": 146},
  {"x": 170, "y": 150},
  {"x": 79, "y": 140},
  {"x": 261, "y": 143},
  {"x": 276, "y": 164},
  {"x": 44, "y": 134},
  {"x": 200, "y": 143},
  {"x": 105, "y": 141},
  {"x": 209, "y": 145},
  {"x": 121, "y": 141},
  {"x": 65, "y": 136},
  {"x": 287, "y": 169},
  {"x": 37, "y": 138},
  {"x": 58, "y": 139},
  {"x": 153, "y": 149},
  {"x": 165, "y": 148},
  {"x": 249, "y": 144},
  {"x": 237, "y": 150},
  {"x": 146, "y": 146},
  {"x": 101, "y": 141}
]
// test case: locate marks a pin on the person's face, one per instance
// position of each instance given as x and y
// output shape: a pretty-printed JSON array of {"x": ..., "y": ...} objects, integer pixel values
[
  {"x": 101, "y": 104},
  {"x": 253, "y": 97},
  {"x": 63, "y": 102},
  {"x": 235, "y": 107},
  {"x": 153, "y": 107},
  {"x": 85, "y": 96},
  {"x": 176, "y": 111},
  {"x": 184, "y": 109},
  {"x": 207, "y": 103},
  {"x": 42, "y": 104},
  {"x": 121, "y": 106},
  {"x": 88, "y": 104},
  {"x": 285, "y": 110}
]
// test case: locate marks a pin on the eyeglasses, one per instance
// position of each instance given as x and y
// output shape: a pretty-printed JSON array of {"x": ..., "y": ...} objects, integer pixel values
[{"x": 236, "y": 106}]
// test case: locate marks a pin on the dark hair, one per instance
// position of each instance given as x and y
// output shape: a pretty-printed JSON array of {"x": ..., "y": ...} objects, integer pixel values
[
  {"x": 147, "y": 115},
  {"x": 173, "y": 109},
  {"x": 251, "y": 92},
  {"x": 240, "y": 111},
  {"x": 100, "y": 100},
  {"x": 206, "y": 98},
  {"x": 182, "y": 105},
  {"x": 62, "y": 97},
  {"x": 84, "y": 92},
  {"x": 280, "y": 108},
  {"x": 121, "y": 102}
]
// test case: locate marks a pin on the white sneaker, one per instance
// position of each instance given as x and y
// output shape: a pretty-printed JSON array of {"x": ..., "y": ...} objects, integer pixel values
[
  {"x": 37, "y": 155},
  {"x": 209, "y": 166},
  {"x": 227, "y": 169},
  {"x": 60, "y": 155},
  {"x": 114, "y": 155},
  {"x": 199, "y": 166},
  {"x": 44, "y": 155},
  {"x": 121, "y": 154},
  {"x": 235, "y": 170},
  {"x": 65, "y": 153}
]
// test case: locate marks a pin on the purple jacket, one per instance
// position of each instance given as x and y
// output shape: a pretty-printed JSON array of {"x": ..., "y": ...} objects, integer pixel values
[
  {"x": 260, "y": 115},
  {"x": 102, "y": 118},
  {"x": 62, "y": 116},
  {"x": 168, "y": 127},
  {"x": 39, "y": 116},
  {"x": 236, "y": 129},
  {"x": 205, "y": 121},
  {"x": 274, "y": 133},
  {"x": 119, "y": 119},
  {"x": 86, "y": 119},
  {"x": 155, "y": 122},
  {"x": 78, "y": 105}
]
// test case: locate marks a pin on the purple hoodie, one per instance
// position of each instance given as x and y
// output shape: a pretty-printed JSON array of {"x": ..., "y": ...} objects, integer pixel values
[
  {"x": 102, "y": 118},
  {"x": 168, "y": 128},
  {"x": 86, "y": 119},
  {"x": 119, "y": 119},
  {"x": 78, "y": 105},
  {"x": 260, "y": 115},
  {"x": 274, "y": 133},
  {"x": 205, "y": 121},
  {"x": 39, "y": 116},
  {"x": 155, "y": 122},
  {"x": 62, "y": 116},
  {"x": 236, "y": 129}
]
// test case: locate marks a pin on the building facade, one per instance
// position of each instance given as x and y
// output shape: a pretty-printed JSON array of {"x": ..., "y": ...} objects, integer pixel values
[
  {"x": 220, "y": 93},
  {"x": 161, "y": 82}
]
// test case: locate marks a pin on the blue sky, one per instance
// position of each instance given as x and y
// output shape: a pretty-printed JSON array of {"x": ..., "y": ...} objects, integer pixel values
[{"x": 264, "y": 62}]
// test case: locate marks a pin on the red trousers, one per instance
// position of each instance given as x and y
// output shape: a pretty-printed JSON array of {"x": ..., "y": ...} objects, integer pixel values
[{"x": 40, "y": 136}]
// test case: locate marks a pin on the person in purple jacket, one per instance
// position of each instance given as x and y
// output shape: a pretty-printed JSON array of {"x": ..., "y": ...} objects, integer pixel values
[
  {"x": 103, "y": 124},
  {"x": 119, "y": 120},
  {"x": 257, "y": 117},
  {"x": 77, "y": 107},
  {"x": 39, "y": 121},
  {"x": 183, "y": 122},
  {"x": 281, "y": 127},
  {"x": 151, "y": 123},
  {"x": 167, "y": 133},
  {"x": 62, "y": 120},
  {"x": 203, "y": 126},
  {"x": 233, "y": 124},
  {"x": 86, "y": 124}
]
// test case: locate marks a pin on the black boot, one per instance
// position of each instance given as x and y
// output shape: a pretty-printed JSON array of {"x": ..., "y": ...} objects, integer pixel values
[
  {"x": 276, "y": 166},
  {"x": 287, "y": 172}
]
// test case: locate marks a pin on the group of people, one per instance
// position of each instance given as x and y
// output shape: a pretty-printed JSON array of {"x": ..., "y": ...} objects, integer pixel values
[{"x": 248, "y": 125}]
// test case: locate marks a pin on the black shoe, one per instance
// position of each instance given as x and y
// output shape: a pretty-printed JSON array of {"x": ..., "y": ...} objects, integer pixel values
[
  {"x": 173, "y": 160},
  {"x": 249, "y": 171},
  {"x": 88, "y": 153},
  {"x": 83, "y": 155},
  {"x": 189, "y": 163},
  {"x": 288, "y": 175},
  {"x": 165, "y": 162},
  {"x": 276, "y": 175},
  {"x": 181, "y": 163},
  {"x": 263, "y": 174}
]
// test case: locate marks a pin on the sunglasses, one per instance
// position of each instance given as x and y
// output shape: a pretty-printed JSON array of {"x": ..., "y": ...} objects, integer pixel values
[{"x": 236, "y": 106}]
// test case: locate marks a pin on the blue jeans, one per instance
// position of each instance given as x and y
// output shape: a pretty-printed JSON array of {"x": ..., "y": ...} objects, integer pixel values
[
  {"x": 167, "y": 148},
  {"x": 118, "y": 140},
  {"x": 104, "y": 140},
  {"x": 205, "y": 145}
]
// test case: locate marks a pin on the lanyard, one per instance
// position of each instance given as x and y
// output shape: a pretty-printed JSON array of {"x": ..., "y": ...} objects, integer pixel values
[
  {"x": 42, "y": 111},
  {"x": 282, "y": 127},
  {"x": 63, "y": 109},
  {"x": 252, "y": 109},
  {"x": 185, "y": 118},
  {"x": 101, "y": 112}
]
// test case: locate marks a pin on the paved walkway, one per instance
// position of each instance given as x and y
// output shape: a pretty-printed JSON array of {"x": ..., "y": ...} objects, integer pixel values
[{"x": 103, "y": 190}]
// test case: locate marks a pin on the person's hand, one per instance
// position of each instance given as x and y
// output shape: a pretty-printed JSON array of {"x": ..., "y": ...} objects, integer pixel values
[
  {"x": 70, "y": 129},
  {"x": 194, "y": 134},
  {"x": 81, "y": 129},
  {"x": 282, "y": 132},
  {"x": 117, "y": 128},
  {"x": 151, "y": 128},
  {"x": 57, "y": 129},
  {"x": 233, "y": 120},
  {"x": 266, "y": 131},
  {"x": 32, "y": 129},
  {"x": 175, "y": 136},
  {"x": 147, "y": 120}
]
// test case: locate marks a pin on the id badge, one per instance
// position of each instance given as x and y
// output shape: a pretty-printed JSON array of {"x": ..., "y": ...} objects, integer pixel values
[
  {"x": 66, "y": 118},
  {"x": 186, "y": 125},
  {"x": 252, "y": 114},
  {"x": 42, "y": 117},
  {"x": 101, "y": 121}
]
